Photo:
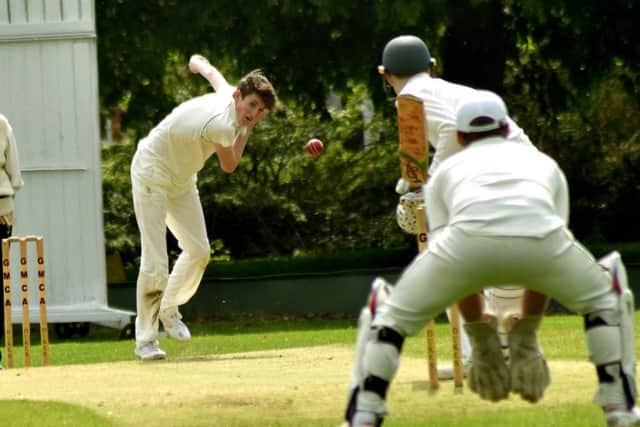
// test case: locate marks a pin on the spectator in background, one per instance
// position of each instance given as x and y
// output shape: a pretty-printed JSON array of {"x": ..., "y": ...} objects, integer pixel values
[{"x": 10, "y": 183}]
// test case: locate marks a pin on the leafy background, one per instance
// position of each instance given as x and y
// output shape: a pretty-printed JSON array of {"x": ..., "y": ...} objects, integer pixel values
[{"x": 568, "y": 70}]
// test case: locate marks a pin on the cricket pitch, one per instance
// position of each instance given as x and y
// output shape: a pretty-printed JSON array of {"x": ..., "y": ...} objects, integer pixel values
[{"x": 258, "y": 388}]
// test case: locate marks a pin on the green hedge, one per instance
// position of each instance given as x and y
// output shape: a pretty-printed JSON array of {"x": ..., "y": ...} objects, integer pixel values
[
  {"x": 327, "y": 263},
  {"x": 335, "y": 262},
  {"x": 323, "y": 263}
]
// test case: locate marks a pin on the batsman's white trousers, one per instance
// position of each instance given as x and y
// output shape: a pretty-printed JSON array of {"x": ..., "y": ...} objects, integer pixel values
[
  {"x": 160, "y": 204},
  {"x": 458, "y": 264}
]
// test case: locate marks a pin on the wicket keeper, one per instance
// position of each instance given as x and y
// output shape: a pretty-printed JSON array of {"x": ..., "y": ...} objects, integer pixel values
[{"x": 498, "y": 213}]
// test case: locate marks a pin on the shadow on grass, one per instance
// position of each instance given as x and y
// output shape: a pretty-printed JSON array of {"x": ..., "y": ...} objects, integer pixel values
[{"x": 28, "y": 413}]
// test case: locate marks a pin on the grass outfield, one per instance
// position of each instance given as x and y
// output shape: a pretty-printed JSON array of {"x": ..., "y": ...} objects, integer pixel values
[{"x": 284, "y": 373}]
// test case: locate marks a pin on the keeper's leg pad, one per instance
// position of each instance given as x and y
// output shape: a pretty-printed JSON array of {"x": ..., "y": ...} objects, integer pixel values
[
  {"x": 611, "y": 342},
  {"x": 381, "y": 359},
  {"x": 380, "y": 291}
]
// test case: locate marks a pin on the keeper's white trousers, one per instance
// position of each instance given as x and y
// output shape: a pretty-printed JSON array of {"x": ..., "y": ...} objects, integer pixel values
[
  {"x": 457, "y": 265},
  {"x": 160, "y": 204}
]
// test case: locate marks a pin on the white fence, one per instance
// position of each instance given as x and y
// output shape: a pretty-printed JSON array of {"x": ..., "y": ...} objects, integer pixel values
[{"x": 49, "y": 93}]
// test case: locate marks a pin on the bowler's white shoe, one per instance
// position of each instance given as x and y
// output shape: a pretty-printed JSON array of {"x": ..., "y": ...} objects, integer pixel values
[
  {"x": 623, "y": 418},
  {"x": 173, "y": 325},
  {"x": 150, "y": 351}
]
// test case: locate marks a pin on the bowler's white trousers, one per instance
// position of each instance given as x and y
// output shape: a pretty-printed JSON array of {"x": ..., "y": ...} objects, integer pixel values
[
  {"x": 160, "y": 204},
  {"x": 458, "y": 264}
]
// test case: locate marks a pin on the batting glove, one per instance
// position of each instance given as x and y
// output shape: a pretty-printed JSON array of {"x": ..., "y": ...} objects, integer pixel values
[{"x": 407, "y": 211}]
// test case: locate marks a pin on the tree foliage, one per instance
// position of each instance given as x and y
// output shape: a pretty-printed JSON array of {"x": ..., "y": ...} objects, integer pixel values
[
  {"x": 568, "y": 70},
  {"x": 574, "y": 84},
  {"x": 280, "y": 200}
]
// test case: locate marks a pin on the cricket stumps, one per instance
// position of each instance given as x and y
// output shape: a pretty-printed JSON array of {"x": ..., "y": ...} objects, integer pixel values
[{"x": 24, "y": 290}]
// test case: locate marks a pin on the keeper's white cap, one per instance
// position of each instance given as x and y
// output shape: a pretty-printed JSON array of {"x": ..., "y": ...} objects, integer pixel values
[{"x": 482, "y": 112}]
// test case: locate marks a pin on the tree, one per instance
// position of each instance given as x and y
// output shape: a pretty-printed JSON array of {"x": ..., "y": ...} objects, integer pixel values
[
  {"x": 575, "y": 74},
  {"x": 567, "y": 69}
]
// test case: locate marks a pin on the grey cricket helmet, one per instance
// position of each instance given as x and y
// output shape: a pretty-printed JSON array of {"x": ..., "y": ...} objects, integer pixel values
[{"x": 405, "y": 56}]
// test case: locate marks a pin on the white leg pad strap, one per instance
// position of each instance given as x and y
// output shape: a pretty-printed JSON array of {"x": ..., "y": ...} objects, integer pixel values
[{"x": 380, "y": 290}]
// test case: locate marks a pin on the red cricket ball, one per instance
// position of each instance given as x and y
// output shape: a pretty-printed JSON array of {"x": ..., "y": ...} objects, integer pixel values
[{"x": 314, "y": 147}]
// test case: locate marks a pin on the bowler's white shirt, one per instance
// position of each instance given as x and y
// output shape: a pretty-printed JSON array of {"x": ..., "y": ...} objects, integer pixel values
[
  {"x": 496, "y": 187},
  {"x": 182, "y": 142},
  {"x": 441, "y": 100}
]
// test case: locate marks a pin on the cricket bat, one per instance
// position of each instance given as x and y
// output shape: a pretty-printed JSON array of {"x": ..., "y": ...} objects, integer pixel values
[
  {"x": 414, "y": 163},
  {"x": 412, "y": 133}
]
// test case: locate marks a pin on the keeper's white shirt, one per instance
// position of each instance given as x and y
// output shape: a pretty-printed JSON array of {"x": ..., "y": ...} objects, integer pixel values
[
  {"x": 441, "y": 99},
  {"x": 183, "y": 141},
  {"x": 495, "y": 187}
]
